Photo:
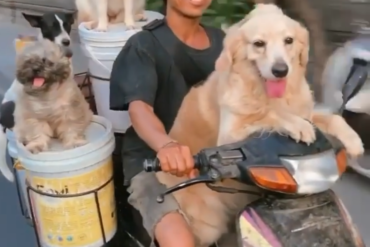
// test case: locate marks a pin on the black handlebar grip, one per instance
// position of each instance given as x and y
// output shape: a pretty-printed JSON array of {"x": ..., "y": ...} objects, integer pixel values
[{"x": 153, "y": 165}]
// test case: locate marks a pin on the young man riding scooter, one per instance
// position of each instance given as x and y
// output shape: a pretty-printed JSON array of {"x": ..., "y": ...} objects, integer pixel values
[{"x": 150, "y": 80}]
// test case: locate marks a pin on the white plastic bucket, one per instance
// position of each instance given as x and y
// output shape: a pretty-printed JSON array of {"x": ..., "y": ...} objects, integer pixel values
[
  {"x": 120, "y": 119},
  {"x": 20, "y": 174},
  {"x": 102, "y": 48},
  {"x": 77, "y": 182}
]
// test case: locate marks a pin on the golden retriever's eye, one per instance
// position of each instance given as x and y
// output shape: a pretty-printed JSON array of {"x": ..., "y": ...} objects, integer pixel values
[
  {"x": 259, "y": 43},
  {"x": 288, "y": 41}
]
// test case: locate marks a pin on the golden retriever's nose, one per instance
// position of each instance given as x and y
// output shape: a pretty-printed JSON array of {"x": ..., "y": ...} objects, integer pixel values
[{"x": 280, "y": 69}]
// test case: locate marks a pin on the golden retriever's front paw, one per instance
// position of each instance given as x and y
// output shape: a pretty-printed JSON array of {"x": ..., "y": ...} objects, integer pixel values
[
  {"x": 37, "y": 146},
  {"x": 302, "y": 130},
  {"x": 354, "y": 146}
]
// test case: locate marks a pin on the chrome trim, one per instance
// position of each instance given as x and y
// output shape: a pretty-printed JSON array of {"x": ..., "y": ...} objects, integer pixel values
[{"x": 313, "y": 173}]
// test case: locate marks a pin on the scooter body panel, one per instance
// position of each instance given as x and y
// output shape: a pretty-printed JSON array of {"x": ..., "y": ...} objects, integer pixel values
[{"x": 315, "y": 220}]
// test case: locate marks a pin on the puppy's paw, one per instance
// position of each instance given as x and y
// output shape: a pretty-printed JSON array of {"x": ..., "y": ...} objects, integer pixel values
[
  {"x": 130, "y": 24},
  {"x": 37, "y": 146},
  {"x": 302, "y": 130},
  {"x": 140, "y": 17},
  {"x": 101, "y": 27},
  {"x": 74, "y": 142},
  {"x": 89, "y": 25}
]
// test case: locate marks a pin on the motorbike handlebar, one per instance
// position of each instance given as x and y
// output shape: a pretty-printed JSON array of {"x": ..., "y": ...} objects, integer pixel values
[{"x": 153, "y": 165}]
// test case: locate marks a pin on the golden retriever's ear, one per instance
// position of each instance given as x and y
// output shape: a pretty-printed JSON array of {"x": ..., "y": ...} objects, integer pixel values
[
  {"x": 232, "y": 43},
  {"x": 304, "y": 46},
  {"x": 224, "y": 61}
]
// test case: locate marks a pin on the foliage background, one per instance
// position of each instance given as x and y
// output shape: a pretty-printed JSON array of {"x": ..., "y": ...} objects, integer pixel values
[{"x": 220, "y": 12}]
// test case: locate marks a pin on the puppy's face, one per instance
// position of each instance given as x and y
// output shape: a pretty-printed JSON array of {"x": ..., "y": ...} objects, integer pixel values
[
  {"x": 273, "y": 43},
  {"x": 43, "y": 64},
  {"x": 55, "y": 27}
]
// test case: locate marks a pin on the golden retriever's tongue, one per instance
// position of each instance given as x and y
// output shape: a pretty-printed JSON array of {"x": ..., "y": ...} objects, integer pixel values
[
  {"x": 275, "y": 88},
  {"x": 38, "y": 81}
]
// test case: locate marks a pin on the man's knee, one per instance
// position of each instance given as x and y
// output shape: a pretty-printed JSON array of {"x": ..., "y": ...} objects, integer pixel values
[
  {"x": 163, "y": 221},
  {"x": 173, "y": 230}
]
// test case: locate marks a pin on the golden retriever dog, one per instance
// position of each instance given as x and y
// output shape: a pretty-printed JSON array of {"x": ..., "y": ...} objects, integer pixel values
[
  {"x": 259, "y": 85},
  {"x": 49, "y": 102},
  {"x": 96, "y": 14}
]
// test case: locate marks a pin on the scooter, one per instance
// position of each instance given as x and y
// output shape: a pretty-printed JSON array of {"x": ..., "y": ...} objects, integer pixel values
[{"x": 296, "y": 207}]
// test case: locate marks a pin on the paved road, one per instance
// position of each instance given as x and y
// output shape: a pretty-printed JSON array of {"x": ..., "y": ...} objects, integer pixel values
[{"x": 14, "y": 232}]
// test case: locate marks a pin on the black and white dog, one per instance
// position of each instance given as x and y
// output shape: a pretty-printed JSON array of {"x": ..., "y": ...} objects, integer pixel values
[{"x": 52, "y": 26}]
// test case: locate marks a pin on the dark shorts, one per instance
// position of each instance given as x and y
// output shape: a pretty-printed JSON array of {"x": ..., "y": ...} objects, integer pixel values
[{"x": 144, "y": 189}]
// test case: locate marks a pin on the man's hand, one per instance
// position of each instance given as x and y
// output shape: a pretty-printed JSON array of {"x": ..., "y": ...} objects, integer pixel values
[{"x": 176, "y": 159}]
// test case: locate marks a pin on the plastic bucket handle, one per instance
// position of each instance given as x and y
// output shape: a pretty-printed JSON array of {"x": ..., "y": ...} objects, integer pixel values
[{"x": 89, "y": 51}]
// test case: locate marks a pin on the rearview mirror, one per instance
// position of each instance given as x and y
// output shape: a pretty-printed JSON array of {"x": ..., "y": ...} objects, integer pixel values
[{"x": 355, "y": 80}]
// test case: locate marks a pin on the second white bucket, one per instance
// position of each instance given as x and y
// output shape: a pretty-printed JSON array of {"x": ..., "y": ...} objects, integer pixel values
[{"x": 102, "y": 48}]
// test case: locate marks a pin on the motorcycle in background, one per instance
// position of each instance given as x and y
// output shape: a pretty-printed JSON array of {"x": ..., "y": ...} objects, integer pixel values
[{"x": 351, "y": 59}]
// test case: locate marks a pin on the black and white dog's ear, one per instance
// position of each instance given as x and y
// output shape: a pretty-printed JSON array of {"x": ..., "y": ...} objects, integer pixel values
[
  {"x": 33, "y": 20},
  {"x": 70, "y": 17},
  {"x": 7, "y": 114}
]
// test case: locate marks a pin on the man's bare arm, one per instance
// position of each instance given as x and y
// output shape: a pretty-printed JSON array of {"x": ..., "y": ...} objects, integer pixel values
[{"x": 147, "y": 125}]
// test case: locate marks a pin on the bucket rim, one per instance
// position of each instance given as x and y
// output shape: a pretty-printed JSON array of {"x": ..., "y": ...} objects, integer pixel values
[{"x": 118, "y": 34}]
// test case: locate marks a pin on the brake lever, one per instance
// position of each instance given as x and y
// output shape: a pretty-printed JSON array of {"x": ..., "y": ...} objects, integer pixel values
[
  {"x": 200, "y": 179},
  {"x": 217, "y": 161}
]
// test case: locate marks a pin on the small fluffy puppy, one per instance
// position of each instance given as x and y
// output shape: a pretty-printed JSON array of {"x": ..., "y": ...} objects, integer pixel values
[
  {"x": 54, "y": 26},
  {"x": 50, "y": 104},
  {"x": 97, "y": 14},
  {"x": 259, "y": 85}
]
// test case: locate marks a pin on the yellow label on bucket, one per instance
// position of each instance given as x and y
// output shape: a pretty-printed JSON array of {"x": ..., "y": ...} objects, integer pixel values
[{"x": 74, "y": 221}]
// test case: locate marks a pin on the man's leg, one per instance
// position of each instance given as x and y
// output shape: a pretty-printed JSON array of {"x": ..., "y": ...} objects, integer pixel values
[{"x": 164, "y": 221}]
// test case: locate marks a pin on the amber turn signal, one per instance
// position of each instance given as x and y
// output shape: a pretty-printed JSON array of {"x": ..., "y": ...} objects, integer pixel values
[
  {"x": 274, "y": 178},
  {"x": 341, "y": 157}
]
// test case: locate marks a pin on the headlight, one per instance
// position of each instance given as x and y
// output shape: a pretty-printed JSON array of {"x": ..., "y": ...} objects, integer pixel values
[{"x": 302, "y": 174}]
